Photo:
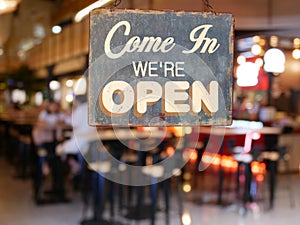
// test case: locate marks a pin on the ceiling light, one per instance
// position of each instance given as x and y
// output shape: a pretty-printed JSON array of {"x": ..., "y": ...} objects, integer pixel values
[
  {"x": 84, "y": 12},
  {"x": 56, "y": 29},
  {"x": 274, "y": 61},
  {"x": 256, "y": 39},
  {"x": 241, "y": 59},
  {"x": 186, "y": 219},
  {"x": 54, "y": 85},
  {"x": 2, "y": 5},
  {"x": 259, "y": 62},
  {"x": 69, "y": 83},
  {"x": 7, "y": 6},
  {"x": 296, "y": 54},
  {"x": 296, "y": 42},
  {"x": 69, "y": 98},
  {"x": 247, "y": 74},
  {"x": 256, "y": 49},
  {"x": 38, "y": 98}
]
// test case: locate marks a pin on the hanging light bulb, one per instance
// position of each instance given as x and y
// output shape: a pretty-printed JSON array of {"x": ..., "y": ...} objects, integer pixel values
[
  {"x": 247, "y": 74},
  {"x": 54, "y": 85},
  {"x": 274, "y": 61},
  {"x": 296, "y": 54},
  {"x": 256, "y": 49},
  {"x": 296, "y": 42},
  {"x": 256, "y": 38},
  {"x": 241, "y": 59},
  {"x": 259, "y": 62}
]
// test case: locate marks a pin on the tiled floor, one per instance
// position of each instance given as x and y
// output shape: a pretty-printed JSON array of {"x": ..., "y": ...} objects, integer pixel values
[{"x": 18, "y": 208}]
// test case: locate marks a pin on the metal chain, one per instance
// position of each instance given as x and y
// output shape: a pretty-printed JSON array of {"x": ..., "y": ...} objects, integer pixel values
[
  {"x": 117, "y": 2},
  {"x": 208, "y": 6}
]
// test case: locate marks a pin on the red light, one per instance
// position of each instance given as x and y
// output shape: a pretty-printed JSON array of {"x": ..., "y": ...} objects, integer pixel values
[{"x": 260, "y": 178}]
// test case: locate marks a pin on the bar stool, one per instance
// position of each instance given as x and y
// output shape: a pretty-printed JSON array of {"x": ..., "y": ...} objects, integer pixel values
[
  {"x": 13, "y": 143},
  {"x": 25, "y": 149},
  {"x": 46, "y": 153},
  {"x": 271, "y": 157},
  {"x": 98, "y": 167},
  {"x": 244, "y": 159}
]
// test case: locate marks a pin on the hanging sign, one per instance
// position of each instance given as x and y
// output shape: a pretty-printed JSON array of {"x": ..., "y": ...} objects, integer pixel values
[{"x": 157, "y": 68}]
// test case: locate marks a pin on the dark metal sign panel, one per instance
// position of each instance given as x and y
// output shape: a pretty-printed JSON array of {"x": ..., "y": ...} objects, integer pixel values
[{"x": 155, "y": 68}]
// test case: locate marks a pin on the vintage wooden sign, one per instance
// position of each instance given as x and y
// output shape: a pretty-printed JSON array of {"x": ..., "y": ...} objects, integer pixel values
[{"x": 157, "y": 68}]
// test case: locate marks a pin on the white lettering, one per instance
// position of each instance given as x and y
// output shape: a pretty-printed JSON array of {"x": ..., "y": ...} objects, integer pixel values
[
  {"x": 201, "y": 95},
  {"x": 169, "y": 67},
  {"x": 147, "y": 93},
  {"x": 140, "y": 68},
  {"x": 135, "y": 43},
  {"x": 152, "y": 67},
  {"x": 179, "y": 69},
  {"x": 209, "y": 45},
  {"x": 121, "y": 88},
  {"x": 109, "y": 36},
  {"x": 175, "y": 96},
  {"x": 118, "y": 97}
]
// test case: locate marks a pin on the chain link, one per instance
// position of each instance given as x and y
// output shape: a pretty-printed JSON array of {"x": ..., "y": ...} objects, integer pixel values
[
  {"x": 208, "y": 6},
  {"x": 116, "y": 3}
]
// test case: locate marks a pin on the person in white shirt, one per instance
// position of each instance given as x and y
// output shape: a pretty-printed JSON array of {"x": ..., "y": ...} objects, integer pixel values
[
  {"x": 79, "y": 143},
  {"x": 83, "y": 134}
]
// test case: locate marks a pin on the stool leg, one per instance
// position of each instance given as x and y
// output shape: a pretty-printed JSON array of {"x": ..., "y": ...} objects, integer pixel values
[
  {"x": 111, "y": 199},
  {"x": 153, "y": 187},
  {"x": 140, "y": 198},
  {"x": 98, "y": 184},
  {"x": 39, "y": 177},
  {"x": 238, "y": 173},
  {"x": 22, "y": 158},
  {"x": 167, "y": 188},
  {"x": 248, "y": 178},
  {"x": 272, "y": 180},
  {"x": 180, "y": 199}
]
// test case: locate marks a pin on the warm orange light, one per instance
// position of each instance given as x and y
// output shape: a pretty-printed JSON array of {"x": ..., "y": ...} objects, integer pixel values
[
  {"x": 8, "y": 6},
  {"x": 262, "y": 167},
  {"x": 258, "y": 168},
  {"x": 255, "y": 167},
  {"x": 140, "y": 128},
  {"x": 217, "y": 160},
  {"x": 207, "y": 158},
  {"x": 193, "y": 156},
  {"x": 187, "y": 188},
  {"x": 234, "y": 166},
  {"x": 226, "y": 162},
  {"x": 170, "y": 151},
  {"x": 260, "y": 178}
]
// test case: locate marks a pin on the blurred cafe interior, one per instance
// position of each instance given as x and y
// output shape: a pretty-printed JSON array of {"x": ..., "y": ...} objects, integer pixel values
[{"x": 245, "y": 173}]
